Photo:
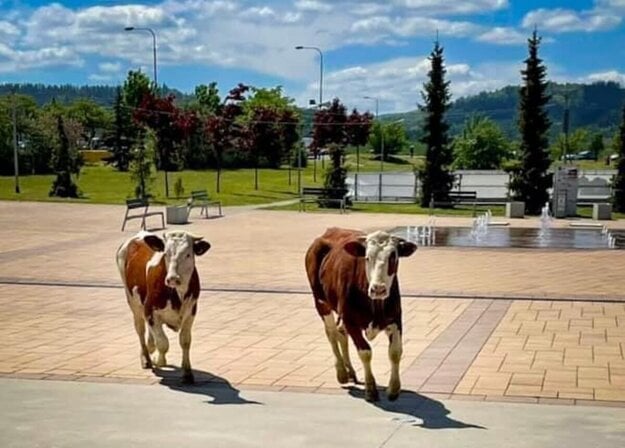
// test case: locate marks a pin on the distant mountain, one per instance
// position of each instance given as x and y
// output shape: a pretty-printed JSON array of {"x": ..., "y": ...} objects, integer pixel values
[
  {"x": 595, "y": 105},
  {"x": 598, "y": 106}
]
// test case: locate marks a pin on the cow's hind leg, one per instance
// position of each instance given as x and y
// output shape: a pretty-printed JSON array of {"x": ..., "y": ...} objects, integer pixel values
[
  {"x": 139, "y": 322},
  {"x": 364, "y": 352},
  {"x": 344, "y": 344},
  {"x": 144, "y": 355},
  {"x": 161, "y": 341},
  {"x": 332, "y": 333},
  {"x": 394, "y": 354}
]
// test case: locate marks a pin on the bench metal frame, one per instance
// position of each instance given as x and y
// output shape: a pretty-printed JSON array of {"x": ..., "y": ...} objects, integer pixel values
[
  {"x": 133, "y": 204},
  {"x": 316, "y": 194},
  {"x": 199, "y": 199}
]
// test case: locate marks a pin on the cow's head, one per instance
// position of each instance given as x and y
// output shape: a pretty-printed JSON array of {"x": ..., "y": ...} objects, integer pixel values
[
  {"x": 179, "y": 250},
  {"x": 381, "y": 252}
]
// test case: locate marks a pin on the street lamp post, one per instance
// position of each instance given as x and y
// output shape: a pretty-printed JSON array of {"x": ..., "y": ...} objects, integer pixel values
[
  {"x": 151, "y": 31},
  {"x": 15, "y": 151},
  {"x": 302, "y": 47},
  {"x": 377, "y": 103}
]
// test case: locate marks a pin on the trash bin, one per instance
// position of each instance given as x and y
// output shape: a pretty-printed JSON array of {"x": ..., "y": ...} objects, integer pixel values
[{"x": 177, "y": 214}]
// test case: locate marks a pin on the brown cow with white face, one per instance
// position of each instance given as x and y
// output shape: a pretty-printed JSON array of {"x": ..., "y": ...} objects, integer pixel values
[
  {"x": 162, "y": 287},
  {"x": 354, "y": 275}
]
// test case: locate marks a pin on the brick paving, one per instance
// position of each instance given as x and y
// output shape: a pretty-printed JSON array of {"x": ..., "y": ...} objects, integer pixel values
[{"x": 560, "y": 349}]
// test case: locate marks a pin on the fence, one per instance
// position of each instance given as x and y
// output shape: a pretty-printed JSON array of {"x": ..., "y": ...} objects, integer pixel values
[{"x": 489, "y": 185}]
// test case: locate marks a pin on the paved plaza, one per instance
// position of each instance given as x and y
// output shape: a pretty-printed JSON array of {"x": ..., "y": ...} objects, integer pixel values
[{"x": 525, "y": 326}]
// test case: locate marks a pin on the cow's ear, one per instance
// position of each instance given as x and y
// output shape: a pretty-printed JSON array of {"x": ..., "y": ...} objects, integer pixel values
[
  {"x": 200, "y": 247},
  {"x": 154, "y": 242},
  {"x": 356, "y": 248},
  {"x": 406, "y": 248}
]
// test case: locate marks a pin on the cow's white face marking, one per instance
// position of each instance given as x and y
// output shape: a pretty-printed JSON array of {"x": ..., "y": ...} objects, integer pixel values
[
  {"x": 178, "y": 249},
  {"x": 381, "y": 252}
]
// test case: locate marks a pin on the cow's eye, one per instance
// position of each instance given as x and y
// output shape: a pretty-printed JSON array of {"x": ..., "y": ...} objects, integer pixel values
[{"x": 188, "y": 255}]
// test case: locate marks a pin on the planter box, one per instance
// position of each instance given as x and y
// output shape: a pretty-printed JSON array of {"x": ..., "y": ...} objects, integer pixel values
[
  {"x": 601, "y": 211},
  {"x": 177, "y": 214},
  {"x": 515, "y": 209}
]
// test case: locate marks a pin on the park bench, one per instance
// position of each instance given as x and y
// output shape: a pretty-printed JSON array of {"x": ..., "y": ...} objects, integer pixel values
[
  {"x": 140, "y": 203},
  {"x": 456, "y": 197},
  {"x": 462, "y": 196},
  {"x": 318, "y": 194},
  {"x": 200, "y": 198}
]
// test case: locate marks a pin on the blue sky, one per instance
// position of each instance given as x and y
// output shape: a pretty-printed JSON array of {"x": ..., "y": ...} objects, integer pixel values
[{"x": 371, "y": 48}]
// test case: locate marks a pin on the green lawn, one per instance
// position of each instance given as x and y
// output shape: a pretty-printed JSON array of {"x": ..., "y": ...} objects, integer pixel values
[{"x": 105, "y": 185}]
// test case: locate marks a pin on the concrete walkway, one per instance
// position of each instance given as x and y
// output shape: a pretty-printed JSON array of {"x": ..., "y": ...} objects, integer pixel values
[
  {"x": 67, "y": 415},
  {"x": 531, "y": 326}
]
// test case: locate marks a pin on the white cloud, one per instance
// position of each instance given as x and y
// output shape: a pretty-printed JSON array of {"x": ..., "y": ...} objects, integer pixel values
[
  {"x": 376, "y": 28},
  {"x": 110, "y": 67},
  {"x": 452, "y": 6},
  {"x": 313, "y": 5},
  {"x": 611, "y": 75},
  {"x": 13, "y": 60},
  {"x": 398, "y": 82},
  {"x": 503, "y": 36},
  {"x": 567, "y": 20}
]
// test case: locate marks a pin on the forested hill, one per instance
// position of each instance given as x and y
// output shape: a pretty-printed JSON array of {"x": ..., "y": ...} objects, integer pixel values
[
  {"x": 42, "y": 94},
  {"x": 595, "y": 105}
]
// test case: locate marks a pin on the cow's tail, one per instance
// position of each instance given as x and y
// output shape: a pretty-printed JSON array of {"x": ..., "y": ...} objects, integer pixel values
[{"x": 314, "y": 257}]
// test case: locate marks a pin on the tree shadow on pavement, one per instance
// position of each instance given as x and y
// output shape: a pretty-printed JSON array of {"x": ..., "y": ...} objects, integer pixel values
[
  {"x": 432, "y": 413},
  {"x": 213, "y": 386}
]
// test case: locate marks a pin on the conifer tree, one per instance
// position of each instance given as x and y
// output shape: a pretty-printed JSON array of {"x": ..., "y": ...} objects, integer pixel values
[
  {"x": 530, "y": 180},
  {"x": 618, "y": 185},
  {"x": 436, "y": 178}
]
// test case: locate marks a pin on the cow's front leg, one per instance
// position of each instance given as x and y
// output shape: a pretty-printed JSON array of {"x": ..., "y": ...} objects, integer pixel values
[
  {"x": 394, "y": 355},
  {"x": 364, "y": 352},
  {"x": 161, "y": 341},
  {"x": 185, "y": 344}
]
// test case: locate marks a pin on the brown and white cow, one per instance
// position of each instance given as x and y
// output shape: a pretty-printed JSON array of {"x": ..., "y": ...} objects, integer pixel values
[
  {"x": 354, "y": 275},
  {"x": 162, "y": 287}
]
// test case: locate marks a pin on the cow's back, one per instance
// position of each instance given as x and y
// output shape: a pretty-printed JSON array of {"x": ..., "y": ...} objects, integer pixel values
[
  {"x": 332, "y": 272},
  {"x": 132, "y": 260}
]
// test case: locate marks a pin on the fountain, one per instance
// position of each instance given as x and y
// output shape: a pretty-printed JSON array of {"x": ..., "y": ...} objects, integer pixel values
[{"x": 485, "y": 233}]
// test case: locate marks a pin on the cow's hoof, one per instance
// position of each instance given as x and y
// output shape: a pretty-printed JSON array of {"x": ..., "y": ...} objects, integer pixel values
[
  {"x": 160, "y": 362},
  {"x": 371, "y": 394},
  {"x": 341, "y": 375},
  {"x": 352, "y": 376},
  {"x": 392, "y": 395},
  {"x": 187, "y": 378}
]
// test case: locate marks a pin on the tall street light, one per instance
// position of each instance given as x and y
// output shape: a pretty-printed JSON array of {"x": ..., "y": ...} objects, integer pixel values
[
  {"x": 377, "y": 103},
  {"x": 151, "y": 31},
  {"x": 302, "y": 47}
]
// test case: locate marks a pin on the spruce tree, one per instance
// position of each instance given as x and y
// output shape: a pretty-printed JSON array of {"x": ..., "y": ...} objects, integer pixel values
[
  {"x": 530, "y": 180},
  {"x": 618, "y": 185},
  {"x": 64, "y": 165},
  {"x": 436, "y": 178},
  {"x": 121, "y": 150}
]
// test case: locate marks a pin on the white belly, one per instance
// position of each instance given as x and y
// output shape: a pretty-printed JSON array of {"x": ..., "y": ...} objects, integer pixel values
[{"x": 170, "y": 317}]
